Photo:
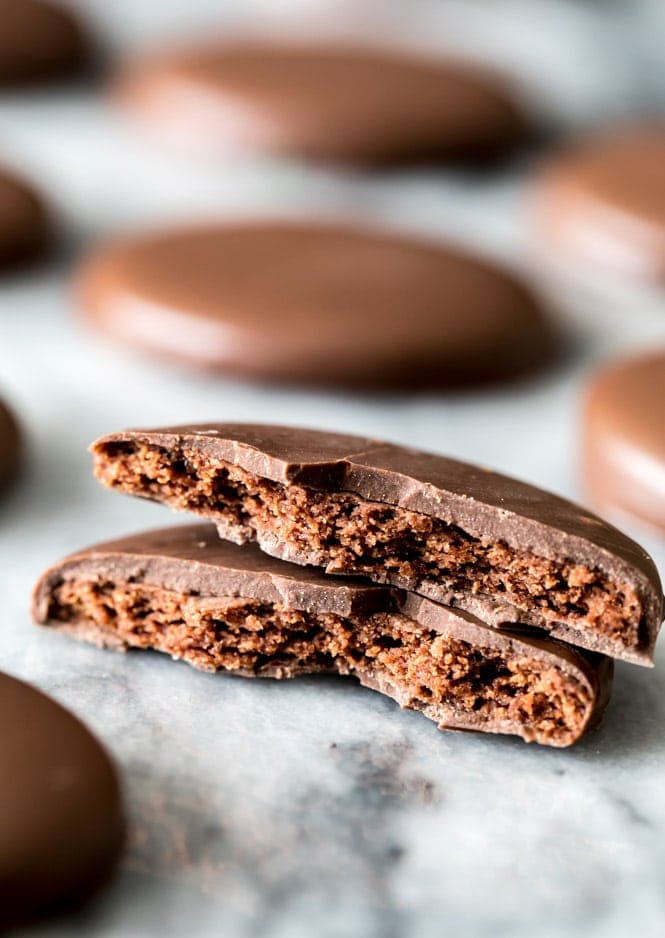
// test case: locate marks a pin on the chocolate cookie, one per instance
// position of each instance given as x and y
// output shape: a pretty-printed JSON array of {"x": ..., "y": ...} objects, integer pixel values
[
  {"x": 461, "y": 535},
  {"x": 603, "y": 203},
  {"x": 61, "y": 821},
  {"x": 316, "y": 304},
  {"x": 24, "y": 223},
  {"x": 337, "y": 103},
  {"x": 38, "y": 42},
  {"x": 220, "y": 607},
  {"x": 624, "y": 438},
  {"x": 10, "y": 446}
]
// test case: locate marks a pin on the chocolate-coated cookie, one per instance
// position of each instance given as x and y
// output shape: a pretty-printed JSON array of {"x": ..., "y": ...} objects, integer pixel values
[
  {"x": 61, "y": 822},
  {"x": 336, "y": 103},
  {"x": 39, "y": 41},
  {"x": 624, "y": 438},
  {"x": 459, "y": 534},
  {"x": 10, "y": 446},
  {"x": 602, "y": 204},
  {"x": 24, "y": 223},
  {"x": 300, "y": 302},
  {"x": 220, "y": 607}
]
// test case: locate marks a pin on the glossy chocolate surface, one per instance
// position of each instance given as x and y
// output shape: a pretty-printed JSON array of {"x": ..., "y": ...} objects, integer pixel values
[
  {"x": 176, "y": 567},
  {"x": 623, "y": 442},
  {"x": 316, "y": 304},
  {"x": 334, "y": 103},
  {"x": 61, "y": 823}
]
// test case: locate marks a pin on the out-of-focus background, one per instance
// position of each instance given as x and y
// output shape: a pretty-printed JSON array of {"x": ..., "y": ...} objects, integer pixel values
[{"x": 318, "y": 807}]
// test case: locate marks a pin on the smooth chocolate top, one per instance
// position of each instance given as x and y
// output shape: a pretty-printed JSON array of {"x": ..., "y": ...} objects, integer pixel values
[
  {"x": 39, "y": 41},
  {"x": 332, "y": 102},
  {"x": 61, "y": 820},
  {"x": 486, "y": 504},
  {"x": 191, "y": 559},
  {"x": 624, "y": 437},
  {"x": 10, "y": 445},
  {"x": 604, "y": 201},
  {"x": 316, "y": 303},
  {"x": 24, "y": 223}
]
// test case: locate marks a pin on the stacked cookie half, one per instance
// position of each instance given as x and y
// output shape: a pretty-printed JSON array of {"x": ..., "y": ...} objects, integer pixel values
[{"x": 485, "y": 603}]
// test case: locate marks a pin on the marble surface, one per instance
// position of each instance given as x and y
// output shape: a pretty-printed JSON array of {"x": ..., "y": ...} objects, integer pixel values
[{"x": 313, "y": 807}]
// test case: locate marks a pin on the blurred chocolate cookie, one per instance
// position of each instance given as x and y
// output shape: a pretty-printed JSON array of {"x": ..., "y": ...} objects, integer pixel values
[
  {"x": 10, "y": 446},
  {"x": 39, "y": 42},
  {"x": 624, "y": 438},
  {"x": 602, "y": 203},
  {"x": 24, "y": 223},
  {"x": 315, "y": 304},
  {"x": 61, "y": 820},
  {"x": 331, "y": 102}
]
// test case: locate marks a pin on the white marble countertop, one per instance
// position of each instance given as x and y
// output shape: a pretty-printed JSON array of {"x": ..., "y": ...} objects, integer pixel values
[{"x": 313, "y": 807}]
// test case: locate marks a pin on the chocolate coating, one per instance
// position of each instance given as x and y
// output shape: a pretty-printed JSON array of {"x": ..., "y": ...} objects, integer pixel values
[
  {"x": 603, "y": 202},
  {"x": 489, "y": 507},
  {"x": 24, "y": 223},
  {"x": 624, "y": 438},
  {"x": 61, "y": 821},
  {"x": 191, "y": 557},
  {"x": 315, "y": 304},
  {"x": 335, "y": 103},
  {"x": 38, "y": 42},
  {"x": 10, "y": 446},
  {"x": 191, "y": 563}
]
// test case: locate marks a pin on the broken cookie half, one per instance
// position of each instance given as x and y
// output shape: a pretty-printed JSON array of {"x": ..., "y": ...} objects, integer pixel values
[
  {"x": 218, "y": 606},
  {"x": 463, "y": 536}
]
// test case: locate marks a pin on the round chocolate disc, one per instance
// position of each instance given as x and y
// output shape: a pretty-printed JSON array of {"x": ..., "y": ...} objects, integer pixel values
[
  {"x": 38, "y": 42},
  {"x": 335, "y": 103},
  {"x": 24, "y": 225},
  {"x": 60, "y": 809},
  {"x": 9, "y": 446},
  {"x": 624, "y": 438},
  {"x": 604, "y": 203},
  {"x": 315, "y": 304}
]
